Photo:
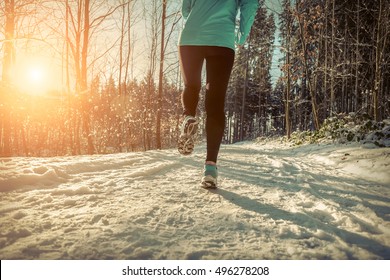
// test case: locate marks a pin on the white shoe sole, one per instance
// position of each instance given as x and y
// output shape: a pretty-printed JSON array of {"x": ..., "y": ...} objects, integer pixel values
[
  {"x": 186, "y": 141},
  {"x": 209, "y": 182},
  {"x": 185, "y": 145}
]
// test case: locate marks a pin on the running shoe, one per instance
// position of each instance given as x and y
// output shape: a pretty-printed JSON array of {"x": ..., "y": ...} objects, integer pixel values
[
  {"x": 209, "y": 179},
  {"x": 188, "y": 131}
]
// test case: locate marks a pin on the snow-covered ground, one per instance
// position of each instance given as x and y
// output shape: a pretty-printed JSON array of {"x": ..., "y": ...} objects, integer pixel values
[{"x": 274, "y": 202}]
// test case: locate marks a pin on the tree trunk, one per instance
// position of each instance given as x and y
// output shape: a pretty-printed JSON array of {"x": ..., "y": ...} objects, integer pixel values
[
  {"x": 161, "y": 77},
  {"x": 121, "y": 50},
  {"x": 332, "y": 71},
  {"x": 244, "y": 93},
  {"x": 357, "y": 55},
  {"x": 308, "y": 77},
  {"x": 84, "y": 84},
  {"x": 380, "y": 44},
  {"x": 8, "y": 61},
  {"x": 129, "y": 44},
  {"x": 288, "y": 86}
]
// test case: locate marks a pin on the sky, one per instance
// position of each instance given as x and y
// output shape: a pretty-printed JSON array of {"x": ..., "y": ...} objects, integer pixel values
[{"x": 274, "y": 6}]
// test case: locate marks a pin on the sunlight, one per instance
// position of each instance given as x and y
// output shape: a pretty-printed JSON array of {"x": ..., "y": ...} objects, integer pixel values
[{"x": 36, "y": 75}]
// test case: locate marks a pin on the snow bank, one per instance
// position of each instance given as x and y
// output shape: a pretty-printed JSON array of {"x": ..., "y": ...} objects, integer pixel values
[{"x": 274, "y": 202}]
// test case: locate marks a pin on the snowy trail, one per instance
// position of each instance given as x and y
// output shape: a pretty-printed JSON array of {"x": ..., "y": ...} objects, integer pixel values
[{"x": 274, "y": 202}]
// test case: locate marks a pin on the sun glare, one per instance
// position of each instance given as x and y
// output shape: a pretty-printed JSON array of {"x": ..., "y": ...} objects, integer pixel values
[{"x": 36, "y": 75}]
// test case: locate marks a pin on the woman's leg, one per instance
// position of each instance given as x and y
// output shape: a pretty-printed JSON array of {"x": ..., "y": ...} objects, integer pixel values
[
  {"x": 219, "y": 63},
  {"x": 191, "y": 62}
]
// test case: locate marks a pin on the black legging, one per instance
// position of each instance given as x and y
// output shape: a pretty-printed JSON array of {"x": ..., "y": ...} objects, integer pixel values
[{"x": 219, "y": 63}]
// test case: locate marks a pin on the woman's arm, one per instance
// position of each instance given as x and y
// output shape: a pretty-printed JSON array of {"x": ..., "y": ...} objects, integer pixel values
[
  {"x": 248, "y": 9},
  {"x": 186, "y": 8}
]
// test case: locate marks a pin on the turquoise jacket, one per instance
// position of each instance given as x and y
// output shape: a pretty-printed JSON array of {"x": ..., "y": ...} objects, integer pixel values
[{"x": 213, "y": 22}]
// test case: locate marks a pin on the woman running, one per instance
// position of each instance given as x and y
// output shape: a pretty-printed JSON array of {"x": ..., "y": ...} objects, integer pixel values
[{"x": 210, "y": 35}]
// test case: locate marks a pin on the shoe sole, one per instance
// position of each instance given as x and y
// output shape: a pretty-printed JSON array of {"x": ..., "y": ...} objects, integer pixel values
[
  {"x": 208, "y": 185},
  {"x": 191, "y": 129},
  {"x": 208, "y": 182},
  {"x": 186, "y": 141},
  {"x": 185, "y": 145}
]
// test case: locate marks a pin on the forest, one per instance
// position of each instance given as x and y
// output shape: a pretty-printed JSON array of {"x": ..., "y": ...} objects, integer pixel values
[{"x": 99, "y": 76}]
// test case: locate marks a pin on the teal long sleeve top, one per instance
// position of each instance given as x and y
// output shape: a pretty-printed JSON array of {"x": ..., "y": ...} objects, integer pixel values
[{"x": 213, "y": 22}]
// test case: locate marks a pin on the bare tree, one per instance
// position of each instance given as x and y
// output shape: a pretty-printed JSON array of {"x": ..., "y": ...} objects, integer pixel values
[
  {"x": 382, "y": 34},
  {"x": 13, "y": 14},
  {"x": 303, "y": 35},
  {"x": 82, "y": 27},
  {"x": 287, "y": 34},
  {"x": 163, "y": 47},
  {"x": 8, "y": 60},
  {"x": 161, "y": 75}
]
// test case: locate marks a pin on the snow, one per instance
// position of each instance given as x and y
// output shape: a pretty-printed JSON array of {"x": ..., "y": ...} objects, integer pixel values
[{"x": 322, "y": 201}]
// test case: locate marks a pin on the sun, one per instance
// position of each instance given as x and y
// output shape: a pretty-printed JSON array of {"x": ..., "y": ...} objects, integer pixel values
[
  {"x": 34, "y": 79},
  {"x": 36, "y": 75}
]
